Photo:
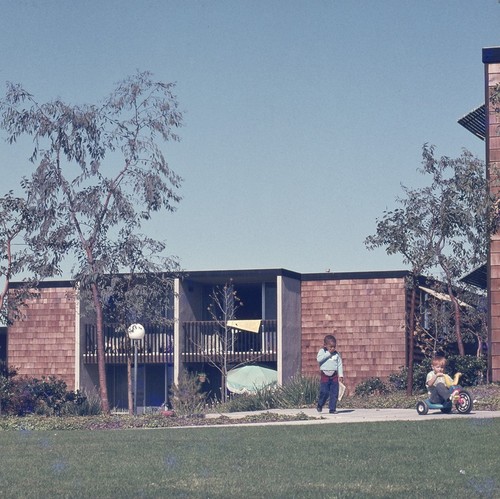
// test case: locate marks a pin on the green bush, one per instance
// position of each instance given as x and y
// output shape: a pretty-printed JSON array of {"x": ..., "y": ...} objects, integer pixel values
[
  {"x": 187, "y": 398},
  {"x": 473, "y": 371},
  {"x": 372, "y": 386},
  {"x": 266, "y": 398},
  {"x": 298, "y": 391},
  {"x": 87, "y": 403},
  {"x": 47, "y": 396}
]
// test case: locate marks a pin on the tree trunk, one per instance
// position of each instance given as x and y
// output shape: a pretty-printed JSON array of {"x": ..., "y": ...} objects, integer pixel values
[
  {"x": 411, "y": 329},
  {"x": 458, "y": 320},
  {"x": 101, "y": 363}
]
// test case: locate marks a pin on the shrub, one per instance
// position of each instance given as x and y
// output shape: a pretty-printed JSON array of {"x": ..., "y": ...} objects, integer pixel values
[
  {"x": 300, "y": 391},
  {"x": 265, "y": 398},
  {"x": 372, "y": 386},
  {"x": 473, "y": 371},
  {"x": 187, "y": 398},
  {"x": 24, "y": 395},
  {"x": 473, "y": 368},
  {"x": 87, "y": 403}
]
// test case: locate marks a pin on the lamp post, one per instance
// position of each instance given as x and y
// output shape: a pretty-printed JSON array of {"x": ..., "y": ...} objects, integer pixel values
[{"x": 135, "y": 333}]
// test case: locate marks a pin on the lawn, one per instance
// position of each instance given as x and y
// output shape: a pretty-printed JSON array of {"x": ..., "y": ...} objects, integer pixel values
[{"x": 453, "y": 457}]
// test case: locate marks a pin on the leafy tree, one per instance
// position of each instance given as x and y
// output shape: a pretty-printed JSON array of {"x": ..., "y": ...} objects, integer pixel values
[
  {"x": 99, "y": 173},
  {"x": 460, "y": 204},
  {"x": 404, "y": 231},
  {"x": 445, "y": 224}
]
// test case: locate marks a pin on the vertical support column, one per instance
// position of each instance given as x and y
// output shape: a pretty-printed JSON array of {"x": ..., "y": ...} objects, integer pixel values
[
  {"x": 279, "y": 330},
  {"x": 78, "y": 349},
  {"x": 177, "y": 332},
  {"x": 491, "y": 60}
]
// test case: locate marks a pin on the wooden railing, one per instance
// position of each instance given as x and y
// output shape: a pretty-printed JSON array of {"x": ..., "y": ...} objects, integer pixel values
[
  {"x": 206, "y": 341},
  {"x": 202, "y": 341},
  {"x": 156, "y": 347}
]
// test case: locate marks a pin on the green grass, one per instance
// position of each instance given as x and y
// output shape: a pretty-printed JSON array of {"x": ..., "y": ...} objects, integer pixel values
[{"x": 450, "y": 458}]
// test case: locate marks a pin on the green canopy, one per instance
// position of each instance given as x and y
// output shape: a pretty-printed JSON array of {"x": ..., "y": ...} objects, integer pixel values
[{"x": 250, "y": 379}]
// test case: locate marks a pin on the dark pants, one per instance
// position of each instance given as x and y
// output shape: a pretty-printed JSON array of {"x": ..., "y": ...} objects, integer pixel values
[
  {"x": 328, "y": 387},
  {"x": 439, "y": 393}
]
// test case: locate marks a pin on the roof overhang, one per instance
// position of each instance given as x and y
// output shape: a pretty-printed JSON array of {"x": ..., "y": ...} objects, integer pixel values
[
  {"x": 478, "y": 277},
  {"x": 475, "y": 122}
]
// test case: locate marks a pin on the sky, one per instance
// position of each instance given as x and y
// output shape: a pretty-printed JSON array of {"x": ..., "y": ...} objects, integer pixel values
[{"x": 302, "y": 119}]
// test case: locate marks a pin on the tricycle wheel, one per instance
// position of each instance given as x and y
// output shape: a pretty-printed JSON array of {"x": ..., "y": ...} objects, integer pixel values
[
  {"x": 422, "y": 408},
  {"x": 464, "y": 402}
]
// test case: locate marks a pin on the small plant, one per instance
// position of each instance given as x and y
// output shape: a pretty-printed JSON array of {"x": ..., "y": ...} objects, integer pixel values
[
  {"x": 187, "y": 398},
  {"x": 372, "y": 386},
  {"x": 299, "y": 391},
  {"x": 86, "y": 403}
]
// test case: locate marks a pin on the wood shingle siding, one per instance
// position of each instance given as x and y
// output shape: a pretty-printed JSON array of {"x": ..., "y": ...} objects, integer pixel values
[
  {"x": 366, "y": 316},
  {"x": 44, "y": 343}
]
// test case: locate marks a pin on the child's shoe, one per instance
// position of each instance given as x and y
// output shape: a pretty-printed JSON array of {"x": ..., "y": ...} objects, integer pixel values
[{"x": 455, "y": 395}]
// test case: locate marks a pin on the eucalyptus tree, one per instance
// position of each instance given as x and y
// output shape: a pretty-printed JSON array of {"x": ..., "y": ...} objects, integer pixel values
[
  {"x": 99, "y": 172},
  {"x": 462, "y": 208},
  {"x": 443, "y": 225},
  {"x": 408, "y": 230}
]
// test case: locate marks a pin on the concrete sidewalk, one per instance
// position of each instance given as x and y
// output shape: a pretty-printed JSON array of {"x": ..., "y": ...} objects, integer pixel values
[{"x": 359, "y": 416}]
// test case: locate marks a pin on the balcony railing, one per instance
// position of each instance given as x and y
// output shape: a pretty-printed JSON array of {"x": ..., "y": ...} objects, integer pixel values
[
  {"x": 203, "y": 341},
  {"x": 206, "y": 341},
  {"x": 156, "y": 347}
]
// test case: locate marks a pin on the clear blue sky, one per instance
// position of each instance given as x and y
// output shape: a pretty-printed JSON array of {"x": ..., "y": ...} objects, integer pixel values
[{"x": 302, "y": 118}]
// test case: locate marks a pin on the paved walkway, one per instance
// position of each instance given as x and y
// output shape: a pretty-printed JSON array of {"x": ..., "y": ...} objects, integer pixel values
[{"x": 361, "y": 415}]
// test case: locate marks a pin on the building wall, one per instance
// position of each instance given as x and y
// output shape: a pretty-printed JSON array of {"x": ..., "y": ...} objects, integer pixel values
[
  {"x": 491, "y": 59},
  {"x": 367, "y": 316},
  {"x": 44, "y": 343}
]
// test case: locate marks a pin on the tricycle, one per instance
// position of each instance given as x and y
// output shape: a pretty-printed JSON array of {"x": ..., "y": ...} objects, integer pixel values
[{"x": 460, "y": 399}]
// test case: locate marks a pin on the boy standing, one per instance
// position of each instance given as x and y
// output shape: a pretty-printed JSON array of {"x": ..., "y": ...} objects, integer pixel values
[{"x": 330, "y": 364}]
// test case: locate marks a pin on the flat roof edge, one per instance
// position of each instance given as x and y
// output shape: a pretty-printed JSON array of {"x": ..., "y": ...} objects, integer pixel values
[
  {"x": 337, "y": 276},
  {"x": 45, "y": 284},
  {"x": 491, "y": 55}
]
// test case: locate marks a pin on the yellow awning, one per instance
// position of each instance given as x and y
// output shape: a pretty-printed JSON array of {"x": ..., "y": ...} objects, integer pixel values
[
  {"x": 246, "y": 325},
  {"x": 443, "y": 296}
]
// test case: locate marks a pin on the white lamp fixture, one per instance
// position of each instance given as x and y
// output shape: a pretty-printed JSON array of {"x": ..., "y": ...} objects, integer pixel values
[{"x": 136, "y": 332}]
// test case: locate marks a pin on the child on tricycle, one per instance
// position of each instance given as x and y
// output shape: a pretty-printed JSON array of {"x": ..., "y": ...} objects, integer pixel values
[{"x": 444, "y": 392}]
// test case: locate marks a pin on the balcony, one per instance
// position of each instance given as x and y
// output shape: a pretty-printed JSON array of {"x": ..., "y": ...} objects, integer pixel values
[
  {"x": 157, "y": 347},
  {"x": 205, "y": 341}
]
